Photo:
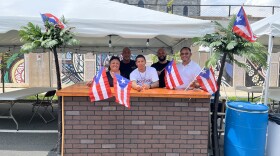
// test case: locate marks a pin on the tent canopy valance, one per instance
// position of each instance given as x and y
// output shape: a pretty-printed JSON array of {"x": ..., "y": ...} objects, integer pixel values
[{"x": 97, "y": 21}]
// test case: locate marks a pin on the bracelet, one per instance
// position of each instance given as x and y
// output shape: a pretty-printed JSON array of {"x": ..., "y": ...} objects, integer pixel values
[{"x": 150, "y": 86}]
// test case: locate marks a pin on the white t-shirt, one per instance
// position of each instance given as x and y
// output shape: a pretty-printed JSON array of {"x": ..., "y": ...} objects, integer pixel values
[
  {"x": 188, "y": 73},
  {"x": 147, "y": 77}
]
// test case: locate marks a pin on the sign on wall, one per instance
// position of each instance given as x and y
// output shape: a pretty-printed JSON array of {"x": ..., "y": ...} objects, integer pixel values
[{"x": 255, "y": 75}]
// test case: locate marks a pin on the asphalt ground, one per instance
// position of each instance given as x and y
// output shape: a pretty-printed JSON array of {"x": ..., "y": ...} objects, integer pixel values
[{"x": 34, "y": 139}]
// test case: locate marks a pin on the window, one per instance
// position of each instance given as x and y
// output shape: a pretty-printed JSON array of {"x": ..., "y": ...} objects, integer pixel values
[
  {"x": 141, "y": 4},
  {"x": 186, "y": 11},
  {"x": 126, "y": 2}
]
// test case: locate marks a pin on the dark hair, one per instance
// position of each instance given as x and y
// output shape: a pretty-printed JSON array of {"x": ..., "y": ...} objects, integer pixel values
[
  {"x": 140, "y": 56},
  {"x": 113, "y": 58},
  {"x": 186, "y": 48}
]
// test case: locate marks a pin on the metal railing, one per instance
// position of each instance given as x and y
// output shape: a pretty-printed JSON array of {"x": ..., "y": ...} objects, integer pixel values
[{"x": 213, "y": 10}]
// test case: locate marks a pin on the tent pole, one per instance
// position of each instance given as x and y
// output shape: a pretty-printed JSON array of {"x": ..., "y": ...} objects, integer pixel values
[{"x": 270, "y": 46}]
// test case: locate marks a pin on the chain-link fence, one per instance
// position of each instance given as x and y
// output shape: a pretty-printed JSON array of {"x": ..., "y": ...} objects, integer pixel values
[{"x": 213, "y": 10}]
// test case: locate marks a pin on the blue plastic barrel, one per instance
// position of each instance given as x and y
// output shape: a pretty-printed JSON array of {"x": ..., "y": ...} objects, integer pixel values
[{"x": 245, "y": 129}]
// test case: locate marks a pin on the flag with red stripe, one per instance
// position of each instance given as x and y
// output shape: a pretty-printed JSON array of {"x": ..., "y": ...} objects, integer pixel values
[
  {"x": 52, "y": 19},
  {"x": 172, "y": 77},
  {"x": 242, "y": 26},
  {"x": 207, "y": 81},
  {"x": 122, "y": 87},
  {"x": 100, "y": 88}
]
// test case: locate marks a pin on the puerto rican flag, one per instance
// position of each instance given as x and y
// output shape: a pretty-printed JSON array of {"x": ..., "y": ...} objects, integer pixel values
[
  {"x": 100, "y": 89},
  {"x": 122, "y": 87},
  {"x": 242, "y": 26},
  {"x": 207, "y": 81},
  {"x": 52, "y": 19},
  {"x": 172, "y": 77}
]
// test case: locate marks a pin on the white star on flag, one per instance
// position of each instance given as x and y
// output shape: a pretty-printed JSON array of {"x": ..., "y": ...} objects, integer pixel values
[
  {"x": 122, "y": 80},
  {"x": 238, "y": 18},
  {"x": 203, "y": 71}
]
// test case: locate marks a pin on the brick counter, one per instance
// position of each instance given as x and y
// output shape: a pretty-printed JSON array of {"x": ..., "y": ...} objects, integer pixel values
[{"x": 153, "y": 126}]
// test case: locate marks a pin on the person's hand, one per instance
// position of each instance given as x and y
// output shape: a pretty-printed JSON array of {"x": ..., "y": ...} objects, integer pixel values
[
  {"x": 138, "y": 88},
  {"x": 89, "y": 83},
  {"x": 146, "y": 86}
]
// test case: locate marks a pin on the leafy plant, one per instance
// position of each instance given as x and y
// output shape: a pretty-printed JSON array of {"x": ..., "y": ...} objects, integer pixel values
[
  {"x": 225, "y": 45},
  {"x": 52, "y": 38}
]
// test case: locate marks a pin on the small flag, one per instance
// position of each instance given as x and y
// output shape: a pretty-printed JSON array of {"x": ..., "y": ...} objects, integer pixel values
[
  {"x": 100, "y": 89},
  {"x": 172, "y": 77},
  {"x": 207, "y": 81},
  {"x": 242, "y": 26},
  {"x": 52, "y": 19},
  {"x": 122, "y": 87}
]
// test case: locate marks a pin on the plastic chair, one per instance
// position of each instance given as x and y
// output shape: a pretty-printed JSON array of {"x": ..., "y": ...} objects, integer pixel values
[{"x": 44, "y": 103}]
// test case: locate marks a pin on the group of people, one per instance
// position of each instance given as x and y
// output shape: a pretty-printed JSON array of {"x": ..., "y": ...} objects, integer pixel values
[{"x": 144, "y": 77}]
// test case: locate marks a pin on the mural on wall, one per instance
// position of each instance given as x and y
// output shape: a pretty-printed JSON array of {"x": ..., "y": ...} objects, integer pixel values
[
  {"x": 227, "y": 79},
  {"x": 15, "y": 72},
  {"x": 255, "y": 75},
  {"x": 102, "y": 60},
  {"x": 72, "y": 68}
]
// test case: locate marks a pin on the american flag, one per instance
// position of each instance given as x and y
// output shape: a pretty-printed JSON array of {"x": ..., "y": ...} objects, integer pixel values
[
  {"x": 122, "y": 87},
  {"x": 207, "y": 81},
  {"x": 100, "y": 89},
  {"x": 52, "y": 19},
  {"x": 172, "y": 77},
  {"x": 242, "y": 26}
]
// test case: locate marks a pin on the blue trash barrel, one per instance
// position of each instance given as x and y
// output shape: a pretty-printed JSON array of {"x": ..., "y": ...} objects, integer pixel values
[{"x": 245, "y": 129}]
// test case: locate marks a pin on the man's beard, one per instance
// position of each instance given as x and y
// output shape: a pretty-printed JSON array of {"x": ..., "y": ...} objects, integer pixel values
[{"x": 162, "y": 59}]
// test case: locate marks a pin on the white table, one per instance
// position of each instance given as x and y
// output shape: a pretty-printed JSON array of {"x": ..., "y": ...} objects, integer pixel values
[
  {"x": 274, "y": 94},
  {"x": 255, "y": 89},
  {"x": 13, "y": 96}
]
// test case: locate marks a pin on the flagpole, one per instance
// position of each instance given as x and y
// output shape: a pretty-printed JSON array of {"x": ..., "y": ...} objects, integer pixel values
[{"x": 194, "y": 78}]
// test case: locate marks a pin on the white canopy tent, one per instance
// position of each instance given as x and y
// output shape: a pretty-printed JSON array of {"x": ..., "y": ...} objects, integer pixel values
[
  {"x": 96, "y": 20},
  {"x": 268, "y": 26}
]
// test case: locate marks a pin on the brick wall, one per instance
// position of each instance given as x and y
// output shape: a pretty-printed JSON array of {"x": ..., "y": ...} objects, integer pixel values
[{"x": 152, "y": 127}]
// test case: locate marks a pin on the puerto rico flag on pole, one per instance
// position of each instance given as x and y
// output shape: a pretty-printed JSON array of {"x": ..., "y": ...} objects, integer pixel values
[
  {"x": 172, "y": 77},
  {"x": 122, "y": 87},
  {"x": 100, "y": 88},
  {"x": 207, "y": 81},
  {"x": 242, "y": 26},
  {"x": 52, "y": 19}
]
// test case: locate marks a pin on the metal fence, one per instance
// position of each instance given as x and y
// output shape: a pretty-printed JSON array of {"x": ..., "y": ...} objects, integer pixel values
[{"x": 213, "y": 10}]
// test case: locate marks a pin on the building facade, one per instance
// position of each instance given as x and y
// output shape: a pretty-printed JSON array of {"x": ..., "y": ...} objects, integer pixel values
[{"x": 178, "y": 7}]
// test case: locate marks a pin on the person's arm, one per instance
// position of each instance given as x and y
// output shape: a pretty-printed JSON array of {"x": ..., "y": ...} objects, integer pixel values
[
  {"x": 154, "y": 85},
  {"x": 136, "y": 86}
]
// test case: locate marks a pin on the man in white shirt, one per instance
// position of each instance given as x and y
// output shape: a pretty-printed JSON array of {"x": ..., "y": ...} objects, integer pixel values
[
  {"x": 188, "y": 69},
  {"x": 143, "y": 77}
]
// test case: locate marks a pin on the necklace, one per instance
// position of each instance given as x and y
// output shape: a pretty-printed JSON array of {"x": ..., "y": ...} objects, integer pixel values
[{"x": 142, "y": 78}]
